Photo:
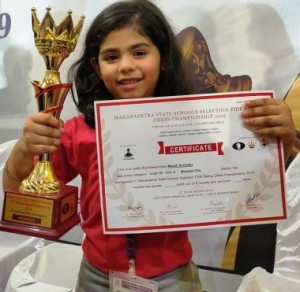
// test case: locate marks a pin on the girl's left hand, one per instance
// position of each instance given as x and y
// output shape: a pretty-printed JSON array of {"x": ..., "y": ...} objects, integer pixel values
[{"x": 271, "y": 118}]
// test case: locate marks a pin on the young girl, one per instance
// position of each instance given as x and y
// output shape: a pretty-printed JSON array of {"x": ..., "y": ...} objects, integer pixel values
[{"x": 130, "y": 52}]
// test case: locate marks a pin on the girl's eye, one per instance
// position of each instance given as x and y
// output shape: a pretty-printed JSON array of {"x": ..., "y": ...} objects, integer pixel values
[
  {"x": 110, "y": 58},
  {"x": 140, "y": 53}
]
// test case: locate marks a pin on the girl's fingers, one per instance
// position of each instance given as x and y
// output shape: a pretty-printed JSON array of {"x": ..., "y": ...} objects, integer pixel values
[
  {"x": 263, "y": 107},
  {"x": 271, "y": 118},
  {"x": 41, "y": 133}
]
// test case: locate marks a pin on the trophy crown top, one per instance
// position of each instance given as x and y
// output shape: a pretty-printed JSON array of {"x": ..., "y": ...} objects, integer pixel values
[
  {"x": 55, "y": 41},
  {"x": 47, "y": 29}
]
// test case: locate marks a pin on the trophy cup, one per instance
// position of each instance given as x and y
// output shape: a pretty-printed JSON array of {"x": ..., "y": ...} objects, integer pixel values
[{"x": 43, "y": 206}]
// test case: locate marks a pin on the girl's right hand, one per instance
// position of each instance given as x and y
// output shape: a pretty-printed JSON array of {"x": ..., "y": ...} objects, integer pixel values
[{"x": 41, "y": 134}]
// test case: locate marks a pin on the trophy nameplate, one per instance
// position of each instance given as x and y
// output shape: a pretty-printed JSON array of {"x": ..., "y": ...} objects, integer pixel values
[
  {"x": 43, "y": 206},
  {"x": 40, "y": 215}
]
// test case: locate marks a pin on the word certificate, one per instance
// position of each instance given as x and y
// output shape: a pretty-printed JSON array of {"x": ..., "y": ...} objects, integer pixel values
[{"x": 185, "y": 162}]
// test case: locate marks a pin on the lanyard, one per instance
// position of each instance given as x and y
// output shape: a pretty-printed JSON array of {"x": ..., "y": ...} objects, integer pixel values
[{"x": 130, "y": 248}]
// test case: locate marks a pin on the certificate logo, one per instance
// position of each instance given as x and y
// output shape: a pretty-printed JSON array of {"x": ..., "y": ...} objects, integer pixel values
[
  {"x": 264, "y": 142},
  {"x": 251, "y": 144},
  {"x": 128, "y": 155},
  {"x": 238, "y": 146}
]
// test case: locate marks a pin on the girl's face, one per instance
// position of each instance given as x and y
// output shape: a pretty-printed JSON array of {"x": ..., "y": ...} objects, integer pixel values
[{"x": 129, "y": 64}]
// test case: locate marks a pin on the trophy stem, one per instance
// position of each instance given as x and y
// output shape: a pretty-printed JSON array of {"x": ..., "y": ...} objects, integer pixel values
[
  {"x": 50, "y": 100},
  {"x": 45, "y": 157},
  {"x": 51, "y": 77},
  {"x": 42, "y": 179}
]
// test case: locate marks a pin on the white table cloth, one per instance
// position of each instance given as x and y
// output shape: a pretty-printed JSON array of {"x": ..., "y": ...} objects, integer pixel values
[
  {"x": 13, "y": 248},
  {"x": 287, "y": 259},
  {"x": 259, "y": 280},
  {"x": 286, "y": 275},
  {"x": 53, "y": 268}
]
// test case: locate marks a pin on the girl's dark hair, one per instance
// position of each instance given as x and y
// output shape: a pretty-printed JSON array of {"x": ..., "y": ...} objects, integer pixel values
[{"x": 150, "y": 22}]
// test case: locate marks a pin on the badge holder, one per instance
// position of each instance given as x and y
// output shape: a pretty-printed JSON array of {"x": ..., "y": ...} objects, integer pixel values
[{"x": 128, "y": 282}]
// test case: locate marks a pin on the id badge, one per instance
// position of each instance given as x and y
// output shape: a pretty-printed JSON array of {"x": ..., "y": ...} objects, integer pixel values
[{"x": 122, "y": 282}]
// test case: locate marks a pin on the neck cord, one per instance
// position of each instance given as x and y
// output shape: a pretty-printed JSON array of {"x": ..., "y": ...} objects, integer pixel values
[{"x": 130, "y": 248}]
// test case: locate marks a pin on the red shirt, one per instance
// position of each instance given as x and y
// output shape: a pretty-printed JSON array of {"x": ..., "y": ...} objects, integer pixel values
[{"x": 156, "y": 253}]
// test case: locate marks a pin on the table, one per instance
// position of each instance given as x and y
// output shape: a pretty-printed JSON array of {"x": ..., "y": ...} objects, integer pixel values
[
  {"x": 14, "y": 248},
  {"x": 53, "y": 268},
  {"x": 259, "y": 280}
]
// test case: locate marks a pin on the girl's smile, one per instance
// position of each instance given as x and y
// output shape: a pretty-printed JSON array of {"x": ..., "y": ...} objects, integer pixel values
[{"x": 129, "y": 82}]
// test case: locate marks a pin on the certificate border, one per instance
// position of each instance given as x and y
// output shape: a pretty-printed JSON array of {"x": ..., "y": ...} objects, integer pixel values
[{"x": 157, "y": 228}]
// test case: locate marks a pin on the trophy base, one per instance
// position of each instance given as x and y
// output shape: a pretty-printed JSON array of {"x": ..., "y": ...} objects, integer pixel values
[
  {"x": 42, "y": 215},
  {"x": 50, "y": 234}
]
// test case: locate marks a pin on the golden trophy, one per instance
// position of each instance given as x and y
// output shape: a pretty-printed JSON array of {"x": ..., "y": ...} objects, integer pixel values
[{"x": 43, "y": 206}]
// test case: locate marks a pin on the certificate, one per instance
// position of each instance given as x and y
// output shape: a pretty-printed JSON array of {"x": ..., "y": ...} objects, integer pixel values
[{"x": 185, "y": 162}]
